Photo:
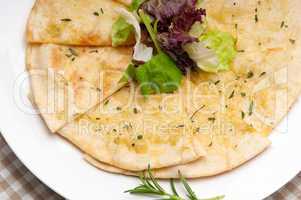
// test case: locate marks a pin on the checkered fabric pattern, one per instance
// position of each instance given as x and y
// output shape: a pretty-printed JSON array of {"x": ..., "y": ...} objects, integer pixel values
[
  {"x": 291, "y": 191},
  {"x": 18, "y": 183}
]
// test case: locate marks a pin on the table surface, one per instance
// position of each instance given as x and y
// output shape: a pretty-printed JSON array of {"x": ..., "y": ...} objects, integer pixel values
[{"x": 17, "y": 182}]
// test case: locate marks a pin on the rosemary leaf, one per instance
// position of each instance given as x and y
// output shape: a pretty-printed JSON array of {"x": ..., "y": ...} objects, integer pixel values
[
  {"x": 191, "y": 194},
  {"x": 173, "y": 187},
  {"x": 215, "y": 198}
]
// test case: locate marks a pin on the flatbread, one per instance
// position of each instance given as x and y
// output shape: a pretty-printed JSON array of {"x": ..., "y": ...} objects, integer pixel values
[
  {"x": 132, "y": 132},
  {"x": 219, "y": 159},
  {"x": 68, "y": 81},
  {"x": 255, "y": 95},
  {"x": 72, "y": 22},
  {"x": 125, "y": 2}
]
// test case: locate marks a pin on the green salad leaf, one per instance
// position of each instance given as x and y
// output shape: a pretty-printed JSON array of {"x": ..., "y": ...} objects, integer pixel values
[
  {"x": 159, "y": 75},
  {"x": 147, "y": 21},
  {"x": 214, "y": 52},
  {"x": 199, "y": 3},
  {"x": 121, "y": 32},
  {"x": 197, "y": 29},
  {"x": 142, "y": 52},
  {"x": 129, "y": 74},
  {"x": 135, "y": 5},
  {"x": 223, "y": 45}
]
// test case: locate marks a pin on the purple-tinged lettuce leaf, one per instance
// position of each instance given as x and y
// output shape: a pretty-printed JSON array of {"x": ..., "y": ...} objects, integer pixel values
[
  {"x": 172, "y": 44},
  {"x": 187, "y": 18},
  {"x": 174, "y": 20},
  {"x": 163, "y": 10}
]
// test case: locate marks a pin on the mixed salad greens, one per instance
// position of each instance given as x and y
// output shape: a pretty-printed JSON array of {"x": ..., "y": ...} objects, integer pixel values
[{"x": 171, "y": 39}]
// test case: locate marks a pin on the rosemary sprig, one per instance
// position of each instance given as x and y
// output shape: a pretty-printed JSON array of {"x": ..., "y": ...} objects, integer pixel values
[{"x": 150, "y": 186}]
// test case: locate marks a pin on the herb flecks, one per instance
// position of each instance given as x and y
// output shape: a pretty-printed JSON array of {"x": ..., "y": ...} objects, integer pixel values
[
  {"x": 98, "y": 13},
  {"x": 292, "y": 41},
  {"x": 107, "y": 102},
  {"x": 251, "y": 108},
  {"x": 256, "y": 18},
  {"x": 232, "y": 94},
  {"x": 256, "y": 15},
  {"x": 243, "y": 94},
  {"x": 282, "y": 24},
  {"x": 217, "y": 82},
  {"x": 94, "y": 51},
  {"x": 72, "y": 54},
  {"x": 135, "y": 110},
  {"x": 212, "y": 119},
  {"x": 243, "y": 114},
  {"x": 66, "y": 20},
  {"x": 196, "y": 112},
  {"x": 250, "y": 74},
  {"x": 262, "y": 74}
]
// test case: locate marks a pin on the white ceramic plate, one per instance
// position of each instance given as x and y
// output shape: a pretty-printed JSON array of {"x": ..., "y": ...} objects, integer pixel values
[{"x": 61, "y": 167}]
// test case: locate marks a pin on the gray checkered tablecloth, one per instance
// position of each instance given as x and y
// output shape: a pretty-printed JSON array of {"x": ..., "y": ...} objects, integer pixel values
[{"x": 18, "y": 183}]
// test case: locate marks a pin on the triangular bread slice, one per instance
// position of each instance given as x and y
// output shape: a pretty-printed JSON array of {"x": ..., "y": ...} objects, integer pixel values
[
  {"x": 72, "y": 22},
  {"x": 68, "y": 81},
  {"x": 132, "y": 132}
]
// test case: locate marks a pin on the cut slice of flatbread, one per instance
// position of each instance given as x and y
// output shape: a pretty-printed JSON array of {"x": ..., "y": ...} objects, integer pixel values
[
  {"x": 219, "y": 159},
  {"x": 58, "y": 100},
  {"x": 102, "y": 66},
  {"x": 72, "y": 22},
  {"x": 132, "y": 132},
  {"x": 68, "y": 81}
]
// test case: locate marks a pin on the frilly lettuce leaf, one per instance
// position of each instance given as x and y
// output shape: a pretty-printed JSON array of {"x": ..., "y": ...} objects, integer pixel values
[
  {"x": 197, "y": 29},
  {"x": 205, "y": 58},
  {"x": 214, "y": 52},
  {"x": 174, "y": 19},
  {"x": 141, "y": 51}
]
